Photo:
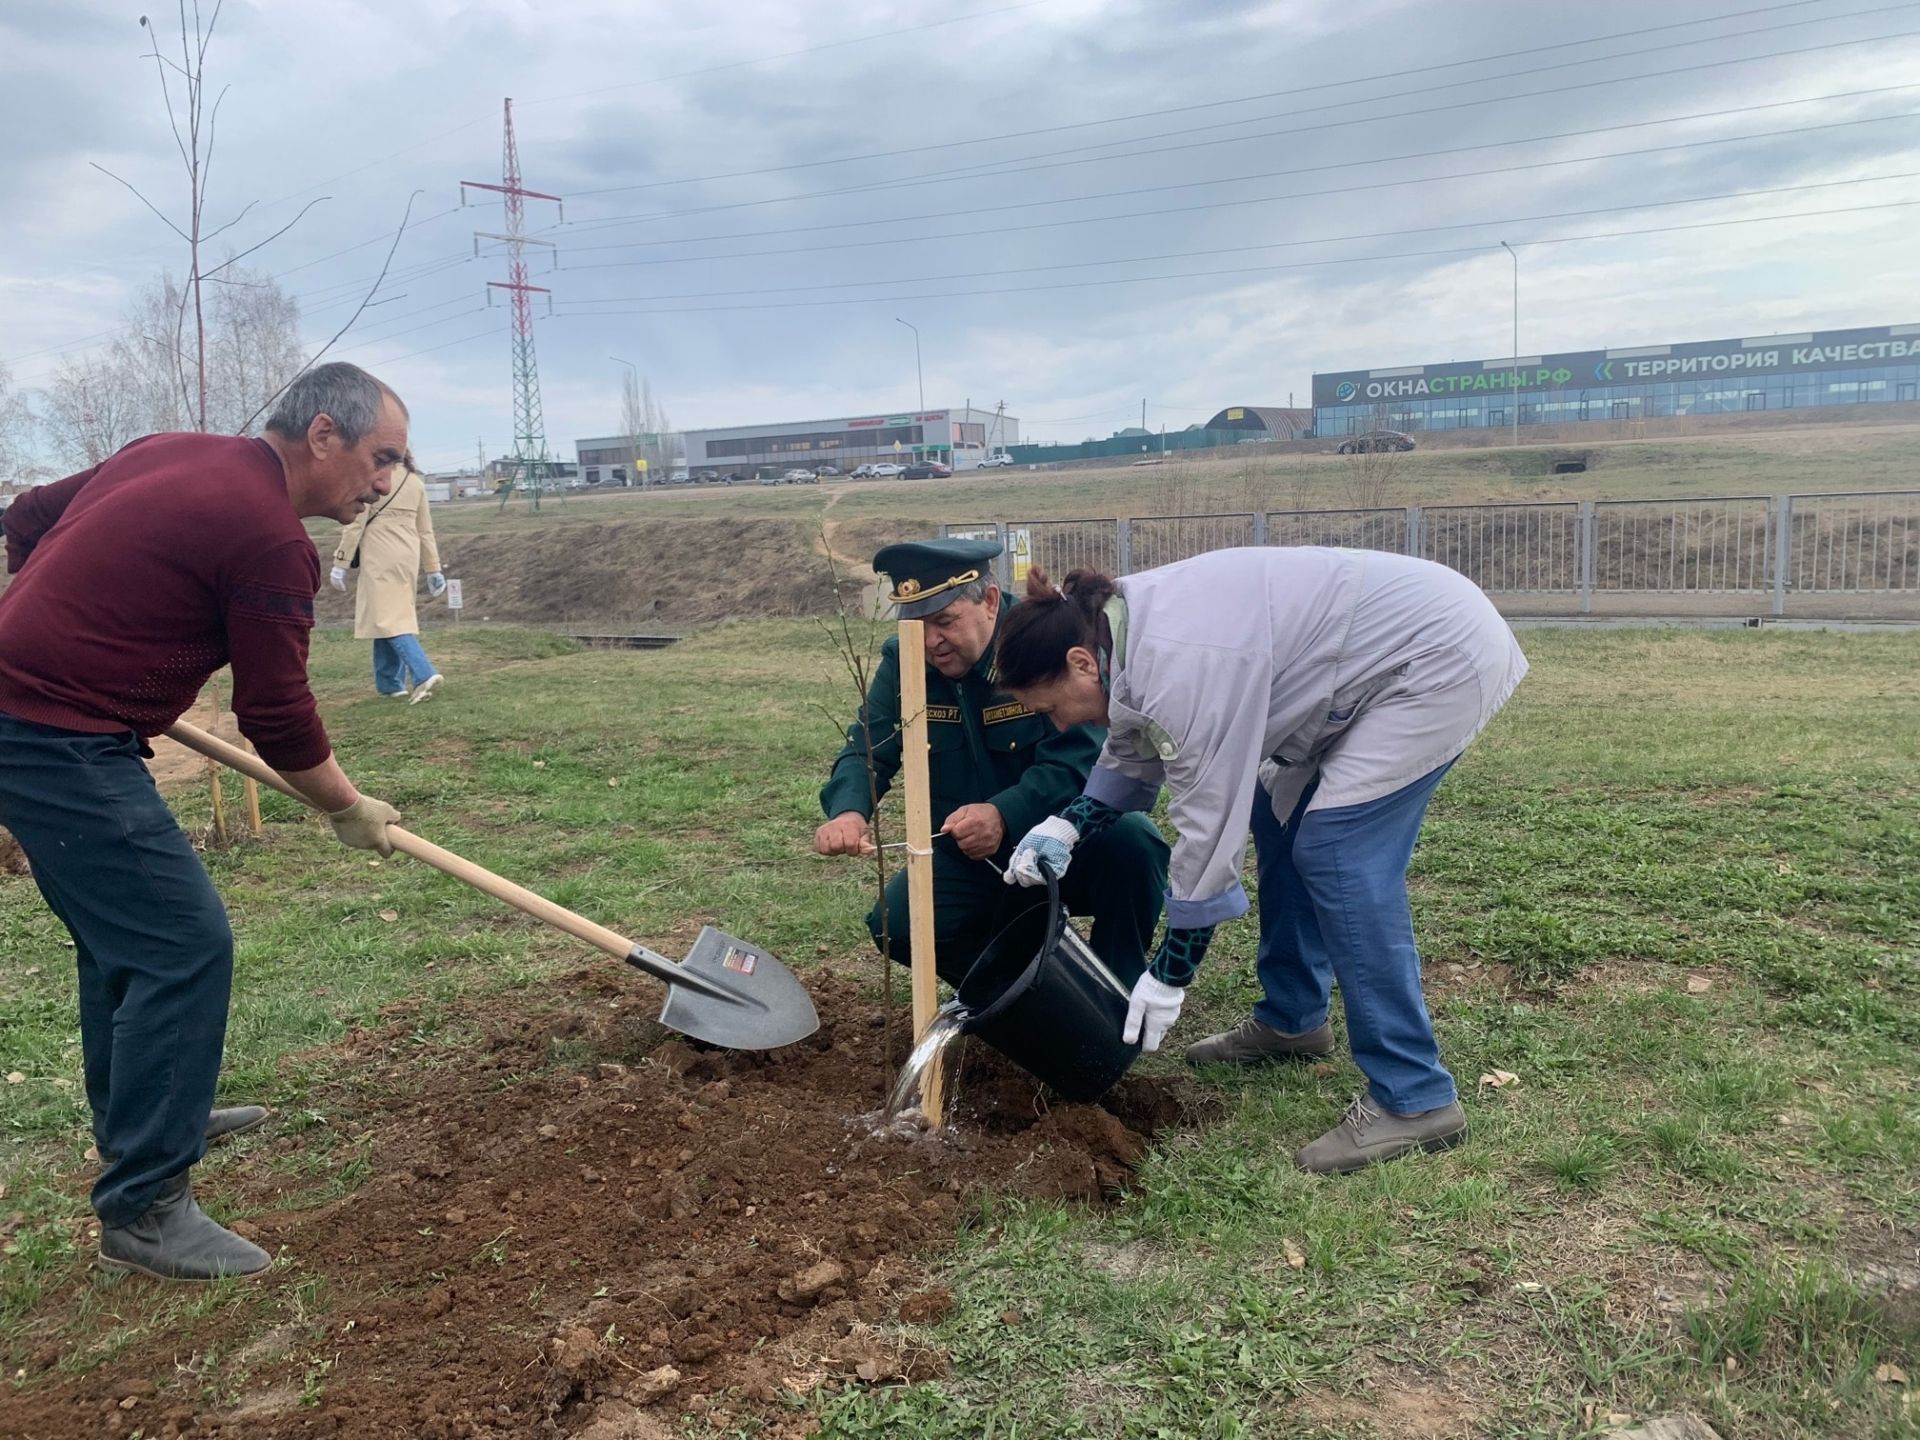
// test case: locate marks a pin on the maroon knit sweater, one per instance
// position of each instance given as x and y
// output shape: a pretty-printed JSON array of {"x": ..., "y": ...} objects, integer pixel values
[{"x": 139, "y": 578}]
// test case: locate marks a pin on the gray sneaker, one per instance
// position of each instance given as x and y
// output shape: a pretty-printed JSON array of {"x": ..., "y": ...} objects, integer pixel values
[
  {"x": 1367, "y": 1135},
  {"x": 1252, "y": 1043},
  {"x": 175, "y": 1240}
]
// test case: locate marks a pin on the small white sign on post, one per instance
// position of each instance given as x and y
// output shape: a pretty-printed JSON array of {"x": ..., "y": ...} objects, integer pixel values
[{"x": 454, "y": 600}]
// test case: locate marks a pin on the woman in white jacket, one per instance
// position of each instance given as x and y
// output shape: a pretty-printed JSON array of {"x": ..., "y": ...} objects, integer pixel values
[{"x": 1315, "y": 697}]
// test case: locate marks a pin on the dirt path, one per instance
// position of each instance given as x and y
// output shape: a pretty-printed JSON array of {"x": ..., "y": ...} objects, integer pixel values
[
  {"x": 174, "y": 765},
  {"x": 851, "y": 567}
]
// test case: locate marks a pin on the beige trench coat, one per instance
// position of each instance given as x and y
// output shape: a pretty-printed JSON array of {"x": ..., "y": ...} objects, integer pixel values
[{"x": 394, "y": 538}]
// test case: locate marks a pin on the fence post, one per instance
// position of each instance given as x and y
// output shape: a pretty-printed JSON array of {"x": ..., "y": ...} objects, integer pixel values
[
  {"x": 1413, "y": 530},
  {"x": 1583, "y": 536},
  {"x": 1782, "y": 550},
  {"x": 1123, "y": 546},
  {"x": 1003, "y": 562},
  {"x": 1259, "y": 527}
]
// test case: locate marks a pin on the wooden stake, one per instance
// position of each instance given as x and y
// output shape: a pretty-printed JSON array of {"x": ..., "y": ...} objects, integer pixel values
[
  {"x": 253, "y": 797},
  {"x": 219, "y": 804},
  {"x": 913, "y": 754}
]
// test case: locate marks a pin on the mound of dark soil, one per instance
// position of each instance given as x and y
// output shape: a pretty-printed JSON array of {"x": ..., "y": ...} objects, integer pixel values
[{"x": 582, "y": 1226}]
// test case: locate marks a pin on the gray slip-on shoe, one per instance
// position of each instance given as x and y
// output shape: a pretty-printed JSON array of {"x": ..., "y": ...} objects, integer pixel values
[
  {"x": 176, "y": 1240},
  {"x": 1252, "y": 1043},
  {"x": 1367, "y": 1134}
]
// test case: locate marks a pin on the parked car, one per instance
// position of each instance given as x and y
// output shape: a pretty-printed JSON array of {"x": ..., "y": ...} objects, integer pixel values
[
  {"x": 822, "y": 472},
  {"x": 800, "y": 477},
  {"x": 925, "y": 470},
  {"x": 995, "y": 462},
  {"x": 887, "y": 470},
  {"x": 1376, "y": 442},
  {"x": 863, "y": 472},
  {"x": 707, "y": 477}
]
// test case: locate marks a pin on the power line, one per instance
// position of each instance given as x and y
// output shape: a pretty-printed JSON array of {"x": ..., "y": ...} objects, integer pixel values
[
  {"x": 488, "y": 334},
  {"x": 1253, "y": 200},
  {"x": 979, "y": 172},
  {"x": 1268, "y": 245},
  {"x": 790, "y": 54},
  {"x": 1253, "y": 269},
  {"x": 1217, "y": 104},
  {"x": 610, "y": 222},
  {"x": 654, "y": 80}
]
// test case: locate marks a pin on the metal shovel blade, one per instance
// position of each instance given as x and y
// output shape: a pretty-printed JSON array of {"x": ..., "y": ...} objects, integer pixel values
[{"x": 731, "y": 994}]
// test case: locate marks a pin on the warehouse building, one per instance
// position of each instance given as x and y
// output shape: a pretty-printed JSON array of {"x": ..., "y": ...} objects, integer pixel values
[
  {"x": 1270, "y": 422},
  {"x": 961, "y": 437},
  {"x": 1875, "y": 364}
]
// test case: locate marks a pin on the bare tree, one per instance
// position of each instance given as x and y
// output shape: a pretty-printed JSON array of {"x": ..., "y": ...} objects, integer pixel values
[
  {"x": 167, "y": 344},
  {"x": 16, "y": 429},
  {"x": 92, "y": 408},
  {"x": 647, "y": 429},
  {"x": 257, "y": 352},
  {"x": 141, "y": 382},
  {"x": 1370, "y": 469},
  {"x": 633, "y": 422}
]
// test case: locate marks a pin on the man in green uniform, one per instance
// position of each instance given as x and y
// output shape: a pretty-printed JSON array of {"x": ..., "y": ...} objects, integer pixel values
[{"x": 995, "y": 769}]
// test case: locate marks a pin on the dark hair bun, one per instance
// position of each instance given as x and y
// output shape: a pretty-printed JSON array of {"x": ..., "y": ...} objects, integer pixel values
[
  {"x": 1089, "y": 589},
  {"x": 1040, "y": 589}
]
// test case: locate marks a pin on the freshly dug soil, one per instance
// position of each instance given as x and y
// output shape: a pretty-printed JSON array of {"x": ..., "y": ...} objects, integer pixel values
[{"x": 634, "y": 1229}]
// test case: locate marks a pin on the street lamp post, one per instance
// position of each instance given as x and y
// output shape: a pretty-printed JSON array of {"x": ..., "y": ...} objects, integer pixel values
[
  {"x": 917, "y": 375},
  {"x": 1514, "y": 365}
]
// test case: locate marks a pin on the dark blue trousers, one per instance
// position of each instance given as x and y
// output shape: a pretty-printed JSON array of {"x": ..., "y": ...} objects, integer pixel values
[{"x": 151, "y": 939}]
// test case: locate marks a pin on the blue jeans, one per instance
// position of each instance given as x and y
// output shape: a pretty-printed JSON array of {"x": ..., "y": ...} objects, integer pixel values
[
  {"x": 151, "y": 940},
  {"x": 395, "y": 659},
  {"x": 1333, "y": 904}
]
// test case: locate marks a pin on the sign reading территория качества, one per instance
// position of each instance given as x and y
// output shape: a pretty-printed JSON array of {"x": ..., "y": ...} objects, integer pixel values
[{"x": 1639, "y": 365}]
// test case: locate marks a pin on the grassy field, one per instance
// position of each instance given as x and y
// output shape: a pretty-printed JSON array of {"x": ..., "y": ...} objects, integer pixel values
[
  {"x": 1758, "y": 463},
  {"x": 1674, "y": 892}
]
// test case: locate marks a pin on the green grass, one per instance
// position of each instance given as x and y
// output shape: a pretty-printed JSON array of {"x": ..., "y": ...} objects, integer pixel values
[{"x": 1682, "y": 1177}]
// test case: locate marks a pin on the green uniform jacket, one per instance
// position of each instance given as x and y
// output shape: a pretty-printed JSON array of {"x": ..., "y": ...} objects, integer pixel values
[{"x": 984, "y": 747}]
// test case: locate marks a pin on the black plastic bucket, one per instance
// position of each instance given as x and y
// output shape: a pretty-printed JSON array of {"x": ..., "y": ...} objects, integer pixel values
[{"x": 1055, "y": 1012}]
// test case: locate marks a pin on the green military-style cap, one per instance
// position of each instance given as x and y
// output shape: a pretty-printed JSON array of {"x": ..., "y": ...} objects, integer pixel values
[{"x": 928, "y": 575}]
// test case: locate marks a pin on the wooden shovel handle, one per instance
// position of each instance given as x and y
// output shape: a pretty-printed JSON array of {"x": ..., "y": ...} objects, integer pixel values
[{"x": 407, "y": 843}]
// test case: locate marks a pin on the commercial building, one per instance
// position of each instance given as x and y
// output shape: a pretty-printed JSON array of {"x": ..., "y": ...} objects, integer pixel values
[
  {"x": 609, "y": 459},
  {"x": 961, "y": 437},
  {"x": 1874, "y": 364}
]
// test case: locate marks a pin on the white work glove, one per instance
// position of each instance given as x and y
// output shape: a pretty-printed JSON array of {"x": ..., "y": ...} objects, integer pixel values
[
  {"x": 1049, "y": 843},
  {"x": 1151, "y": 1011},
  {"x": 339, "y": 577},
  {"x": 436, "y": 584},
  {"x": 363, "y": 824}
]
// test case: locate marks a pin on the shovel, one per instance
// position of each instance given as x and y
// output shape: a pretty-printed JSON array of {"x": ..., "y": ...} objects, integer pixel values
[{"x": 726, "y": 992}]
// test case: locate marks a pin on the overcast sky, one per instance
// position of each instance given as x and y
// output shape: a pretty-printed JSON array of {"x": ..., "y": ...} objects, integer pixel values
[{"x": 693, "y": 142}]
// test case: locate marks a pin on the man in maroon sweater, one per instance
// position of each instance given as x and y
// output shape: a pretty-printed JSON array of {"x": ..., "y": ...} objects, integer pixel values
[{"x": 134, "y": 582}]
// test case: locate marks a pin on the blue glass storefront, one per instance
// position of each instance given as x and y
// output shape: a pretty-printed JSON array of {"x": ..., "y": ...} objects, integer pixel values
[{"x": 1720, "y": 377}]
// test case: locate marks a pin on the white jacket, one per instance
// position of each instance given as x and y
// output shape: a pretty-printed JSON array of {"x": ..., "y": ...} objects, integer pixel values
[{"x": 1276, "y": 664}]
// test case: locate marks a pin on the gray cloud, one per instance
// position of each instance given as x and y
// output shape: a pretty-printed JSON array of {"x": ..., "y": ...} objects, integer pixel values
[{"x": 366, "y": 103}]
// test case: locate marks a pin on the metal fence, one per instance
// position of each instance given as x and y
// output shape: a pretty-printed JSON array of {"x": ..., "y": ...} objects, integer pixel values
[{"x": 1831, "y": 556}]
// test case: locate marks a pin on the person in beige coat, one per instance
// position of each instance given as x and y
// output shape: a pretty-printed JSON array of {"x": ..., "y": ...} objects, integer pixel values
[{"x": 390, "y": 544}]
